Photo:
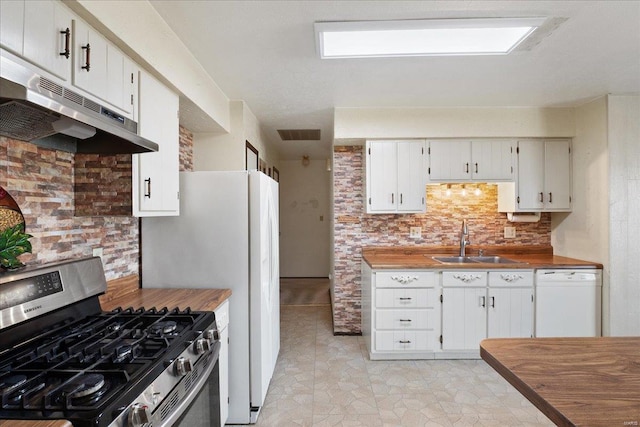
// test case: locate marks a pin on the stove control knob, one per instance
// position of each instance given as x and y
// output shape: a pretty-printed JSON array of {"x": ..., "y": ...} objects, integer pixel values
[
  {"x": 139, "y": 415},
  {"x": 212, "y": 335},
  {"x": 183, "y": 366},
  {"x": 202, "y": 345}
]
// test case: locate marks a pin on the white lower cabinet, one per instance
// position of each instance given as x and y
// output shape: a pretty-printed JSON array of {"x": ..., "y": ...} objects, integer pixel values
[
  {"x": 484, "y": 304},
  {"x": 400, "y": 314}
]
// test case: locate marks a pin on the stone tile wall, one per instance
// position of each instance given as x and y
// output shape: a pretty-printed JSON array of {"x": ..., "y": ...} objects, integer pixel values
[
  {"x": 186, "y": 150},
  {"x": 354, "y": 229},
  {"x": 41, "y": 180}
]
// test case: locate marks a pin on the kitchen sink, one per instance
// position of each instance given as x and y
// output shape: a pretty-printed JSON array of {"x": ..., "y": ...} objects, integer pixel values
[
  {"x": 493, "y": 260},
  {"x": 454, "y": 259},
  {"x": 474, "y": 260}
]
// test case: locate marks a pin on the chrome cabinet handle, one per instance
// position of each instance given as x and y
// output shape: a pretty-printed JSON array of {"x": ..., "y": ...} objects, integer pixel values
[
  {"x": 147, "y": 187},
  {"x": 483, "y": 302},
  {"x": 550, "y": 197},
  {"x": 476, "y": 168},
  {"x": 87, "y": 65},
  {"x": 467, "y": 278},
  {"x": 392, "y": 198},
  {"x": 404, "y": 279},
  {"x": 541, "y": 197},
  {"x": 493, "y": 302},
  {"x": 400, "y": 198},
  {"x": 466, "y": 170},
  {"x": 67, "y": 39}
]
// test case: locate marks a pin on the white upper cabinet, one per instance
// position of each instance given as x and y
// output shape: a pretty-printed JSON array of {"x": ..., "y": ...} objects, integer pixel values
[
  {"x": 40, "y": 32},
  {"x": 395, "y": 176},
  {"x": 470, "y": 160},
  {"x": 12, "y": 25},
  {"x": 543, "y": 182},
  {"x": 156, "y": 175},
  {"x": 48, "y": 36},
  {"x": 90, "y": 60}
]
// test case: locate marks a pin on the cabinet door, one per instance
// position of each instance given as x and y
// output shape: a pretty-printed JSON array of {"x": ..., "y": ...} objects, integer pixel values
[
  {"x": 557, "y": 179},
  {"x": 12, "y": 25},
  {"x": 510, "y": 313},
  {"x": 530, "y": 175},
  {"x": 450, "y": 160},
  {"x": 156, "y": 175},
  {"x": 492, "y": 160},
  {"x": 382, "y": 178},
  {"x": 90, "y": 60},
  {"x": 411, "y": 176},
  {"x": 46, "y": 38},
  {"x": 464, "y": 318}
]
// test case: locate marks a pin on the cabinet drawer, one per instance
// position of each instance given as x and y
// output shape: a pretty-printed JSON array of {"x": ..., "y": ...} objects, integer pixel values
[
  {"x": 511, "y": 278},
  {"x": 405, "y": 319},
  {"x": 464, "y": 278},
  {"x": 404, "y": 340},
  {"x": 405, "y": 298},
  {"x": 405, "y": 279}
]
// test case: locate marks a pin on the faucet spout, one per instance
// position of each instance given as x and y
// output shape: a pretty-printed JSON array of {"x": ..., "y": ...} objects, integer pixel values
[{"x": 464, "y": 234}]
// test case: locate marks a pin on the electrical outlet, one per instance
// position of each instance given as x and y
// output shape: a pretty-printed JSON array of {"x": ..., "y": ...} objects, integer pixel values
[
  {"x": 97, "y": 252},
  {"x": 415, "y": 232},
  {"x": 509, "y": 232}
]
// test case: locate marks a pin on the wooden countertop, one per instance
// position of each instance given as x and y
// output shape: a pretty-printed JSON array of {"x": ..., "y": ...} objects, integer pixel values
[
  {"x": 573, "y": 381},
  {"x": 43, "y": 423},
  {"x": 197, "y": 299},
  {"x": 532, "y": 257}
]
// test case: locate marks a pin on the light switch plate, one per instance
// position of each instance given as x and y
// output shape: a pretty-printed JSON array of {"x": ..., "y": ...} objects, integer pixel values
[
  {"x": 97, "y": 252},
  {"x": 509, "y": 232},
  {"x": 415, "y": 232}
]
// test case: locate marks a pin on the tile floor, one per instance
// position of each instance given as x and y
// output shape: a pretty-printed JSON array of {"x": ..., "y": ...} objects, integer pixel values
[{"x": 326, "y": 380}]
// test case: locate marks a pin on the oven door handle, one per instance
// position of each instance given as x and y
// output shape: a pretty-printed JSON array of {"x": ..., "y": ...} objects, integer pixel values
[{"x": 200, "y": 383}]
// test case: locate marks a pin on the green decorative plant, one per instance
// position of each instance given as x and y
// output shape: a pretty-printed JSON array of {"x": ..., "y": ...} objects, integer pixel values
[{"x": 13, "y": 243}]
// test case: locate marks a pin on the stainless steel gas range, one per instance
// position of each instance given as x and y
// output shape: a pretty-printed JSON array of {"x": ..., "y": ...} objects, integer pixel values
[{"x": 62, "y": 357}]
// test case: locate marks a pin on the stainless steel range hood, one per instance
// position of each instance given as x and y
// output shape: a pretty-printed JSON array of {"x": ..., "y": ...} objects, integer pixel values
[{"x": 34, "y": 108}]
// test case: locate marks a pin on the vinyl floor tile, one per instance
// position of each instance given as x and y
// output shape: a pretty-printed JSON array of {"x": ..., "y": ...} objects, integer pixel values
[{"x": 322, "y": 380}]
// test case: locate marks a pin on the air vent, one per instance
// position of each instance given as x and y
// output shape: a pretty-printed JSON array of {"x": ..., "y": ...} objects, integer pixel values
[
  {"x": 92, "y": 105},
  {"x": 50, "y": 86},
  {"x": 72, "y": 96},
  {"x": 299, "y": 134}
]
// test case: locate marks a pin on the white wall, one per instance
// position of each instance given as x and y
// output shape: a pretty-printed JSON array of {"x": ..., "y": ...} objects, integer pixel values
[
  {"x": 624, "y": 207},
  {"x": 360, "y": 123},
  {"x": 584, "y": 233},
  {"x": 304, "y": 199},
  {"x": 228, "y": 151}
]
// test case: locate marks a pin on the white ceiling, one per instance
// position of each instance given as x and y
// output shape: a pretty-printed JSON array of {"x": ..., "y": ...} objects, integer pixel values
[{"x": 264, "y": 53}]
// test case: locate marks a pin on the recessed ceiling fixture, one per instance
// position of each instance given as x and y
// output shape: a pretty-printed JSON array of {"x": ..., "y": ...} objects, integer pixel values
[{"x": 362, "y": 39}]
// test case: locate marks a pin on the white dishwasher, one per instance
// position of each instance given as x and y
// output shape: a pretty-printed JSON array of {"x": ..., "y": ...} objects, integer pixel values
[{"x": 568, "y": 303}]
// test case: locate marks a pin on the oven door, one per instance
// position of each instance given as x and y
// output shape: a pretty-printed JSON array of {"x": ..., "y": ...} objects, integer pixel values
[{"x": 201, "y": 406}]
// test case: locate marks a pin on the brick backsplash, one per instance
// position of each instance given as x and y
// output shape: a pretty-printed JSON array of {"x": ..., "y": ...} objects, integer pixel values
[
  {"x": 41, "y": 180},
  {"x": 53, "y": 189},
  {"x": 353, "y": 229}
]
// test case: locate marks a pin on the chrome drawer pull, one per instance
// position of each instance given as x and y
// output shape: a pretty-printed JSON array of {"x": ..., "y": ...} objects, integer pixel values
[
  {"x": 511, "y": 277},
  {"x": 404, "y": 279},
  {"x": 467, "y": 278}
]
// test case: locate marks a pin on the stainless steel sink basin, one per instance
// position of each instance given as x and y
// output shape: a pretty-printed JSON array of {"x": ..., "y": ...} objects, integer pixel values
[
  {"x": 474, "y": 260},
  {"x": 454, "y": 259},
  {"x": 493, "y": 260}
]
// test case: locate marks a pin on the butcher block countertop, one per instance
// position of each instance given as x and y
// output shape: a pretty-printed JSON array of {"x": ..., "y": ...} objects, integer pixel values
[
  {"x": 573, "y": 381},
  {"x": 46, "y": 423},
  {"x": 532, "y": 257},
  {"x": 197, "y": 299}
]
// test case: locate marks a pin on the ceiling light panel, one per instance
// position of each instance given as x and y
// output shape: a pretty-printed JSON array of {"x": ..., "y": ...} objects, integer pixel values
[{"x": 363, "y": 39}]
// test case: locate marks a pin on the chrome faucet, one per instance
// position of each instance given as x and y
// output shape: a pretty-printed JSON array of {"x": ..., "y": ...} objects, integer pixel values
[{"x": 464, "y": 234}]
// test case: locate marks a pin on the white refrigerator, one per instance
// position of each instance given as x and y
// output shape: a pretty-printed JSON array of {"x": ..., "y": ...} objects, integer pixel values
[{"x": 226, "y": 237}]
